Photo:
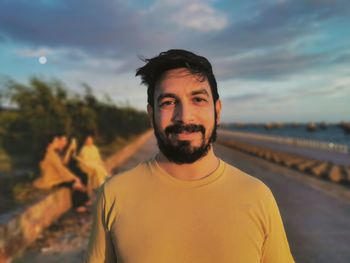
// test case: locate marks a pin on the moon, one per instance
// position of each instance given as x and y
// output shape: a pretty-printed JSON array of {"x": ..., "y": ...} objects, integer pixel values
[{"x": 42, "y": 60}]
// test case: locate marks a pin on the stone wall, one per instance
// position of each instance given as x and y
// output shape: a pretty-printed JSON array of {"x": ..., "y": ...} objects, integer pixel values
[{"x": 21, "y": 227}]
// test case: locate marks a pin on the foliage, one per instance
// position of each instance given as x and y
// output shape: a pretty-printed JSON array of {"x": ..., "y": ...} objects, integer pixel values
[
  {"x": 23, "y": 192},
  {"x": 17, "y": 190},
  {"x": 42, "y": 108}
]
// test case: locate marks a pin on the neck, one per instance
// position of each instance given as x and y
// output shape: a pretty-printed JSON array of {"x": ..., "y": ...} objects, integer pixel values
[{"x": 192, "y": 171}]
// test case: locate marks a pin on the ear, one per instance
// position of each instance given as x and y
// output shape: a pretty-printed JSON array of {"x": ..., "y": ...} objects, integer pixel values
[
  {"x": 150, "y": 114},
  {"x": 218, "y": 111}
]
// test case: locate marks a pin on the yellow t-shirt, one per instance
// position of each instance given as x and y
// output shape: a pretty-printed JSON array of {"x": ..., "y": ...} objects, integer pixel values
[
  {"x": 146, "y": 215},
  {"x": 91, "y": 163},
  {"x": 90, "y": 153}
]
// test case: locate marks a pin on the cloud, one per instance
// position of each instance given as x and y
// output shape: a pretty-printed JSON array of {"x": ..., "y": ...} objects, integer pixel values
[
  {"x": 342, "y": 59},
  {"x": 304, "y": 94},
  {"x": 324, "y": 86},
  {"x": 30, "y": 53},
  {"x": 200, "y": 16},
  {"x": 269, "y": 65},
  {"x": 90, "y": 25},
  {"x": 272, "y": 25},
  {"x": 105, "y": 27},
  {"x": 121, "y": 88},
  {"x": 191, "y": 15},
  {"x": 75, "y": 58},
  {"x": 264, "y": 42},
  {"x": 246, "y": 97},
  {"x": 278, "y": 40},
  {"x": 333, "y": 90}
]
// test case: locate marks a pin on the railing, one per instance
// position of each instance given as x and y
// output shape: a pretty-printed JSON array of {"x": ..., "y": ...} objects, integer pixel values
[{"x": 327, "y": 146}]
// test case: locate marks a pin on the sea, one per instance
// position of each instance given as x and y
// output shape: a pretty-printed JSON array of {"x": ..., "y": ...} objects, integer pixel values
[{"x": 329, "y": 133}]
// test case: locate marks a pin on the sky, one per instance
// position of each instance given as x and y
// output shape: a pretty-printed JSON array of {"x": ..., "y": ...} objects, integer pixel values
[{"x": 274, "y": 60}]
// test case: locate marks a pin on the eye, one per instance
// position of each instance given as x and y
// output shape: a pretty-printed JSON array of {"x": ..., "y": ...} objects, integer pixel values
[
  {"x": 199, "y": 100},
  {"x": 167, "y": 103}
]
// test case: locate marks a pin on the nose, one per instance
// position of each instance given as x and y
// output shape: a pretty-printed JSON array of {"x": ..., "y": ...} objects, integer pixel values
[{"x": 183, "y": 113}]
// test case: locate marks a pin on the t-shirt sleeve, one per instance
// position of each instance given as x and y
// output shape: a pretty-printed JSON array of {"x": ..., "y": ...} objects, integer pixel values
[
  {"x": 276, "y": 248},
  {"x": 101, "y": 248}
]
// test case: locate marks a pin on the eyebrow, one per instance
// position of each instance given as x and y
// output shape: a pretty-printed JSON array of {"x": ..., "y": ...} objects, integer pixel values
[
  {"x": 172, "y": 95},
  {"x": 201, "y": 91},
  {"x": 166, "y": 95}
]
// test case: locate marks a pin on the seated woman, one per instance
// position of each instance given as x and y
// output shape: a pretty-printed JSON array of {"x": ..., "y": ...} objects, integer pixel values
[
  {"x": 91, "y": 163},
  {"x": 53, "y": 170}
]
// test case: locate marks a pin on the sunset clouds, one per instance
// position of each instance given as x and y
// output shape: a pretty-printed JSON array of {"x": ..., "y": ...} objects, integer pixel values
[{"x": 261, "y": 51}]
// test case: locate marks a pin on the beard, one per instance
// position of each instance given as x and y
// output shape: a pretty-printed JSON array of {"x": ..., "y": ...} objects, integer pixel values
[{"x": 181, "y": 151}]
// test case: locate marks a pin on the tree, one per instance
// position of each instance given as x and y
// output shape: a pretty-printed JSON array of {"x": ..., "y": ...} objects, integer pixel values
[{"x": 42, "y": 109}]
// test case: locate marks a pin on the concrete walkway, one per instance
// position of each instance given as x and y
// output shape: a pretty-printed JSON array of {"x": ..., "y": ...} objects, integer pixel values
[
  {"x": 315, "y": 213},
  {"x": 317, "y": 154}
]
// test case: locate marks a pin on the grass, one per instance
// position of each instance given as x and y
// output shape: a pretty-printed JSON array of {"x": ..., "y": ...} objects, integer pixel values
[
  {"x": 5, "y": 162},
  {"x": 16, "y": 191}
]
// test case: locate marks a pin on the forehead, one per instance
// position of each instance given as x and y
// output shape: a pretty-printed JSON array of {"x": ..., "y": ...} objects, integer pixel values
[{"x": 181, "y": 80}]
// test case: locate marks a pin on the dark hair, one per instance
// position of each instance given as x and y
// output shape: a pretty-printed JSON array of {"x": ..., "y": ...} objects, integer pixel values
[
  {"x": 46, "y": 140},
  {"x": 173, "y": 59},
  {"x": 88, "y": 133}
]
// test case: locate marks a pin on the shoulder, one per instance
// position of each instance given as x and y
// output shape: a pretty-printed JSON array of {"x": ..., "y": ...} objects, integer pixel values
[
  {"x": 246, "y": 182},
  {"x": 123, "y": 182}
]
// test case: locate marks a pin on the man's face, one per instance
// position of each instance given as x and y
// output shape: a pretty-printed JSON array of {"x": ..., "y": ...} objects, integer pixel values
[{"x": 183, "y": 116}]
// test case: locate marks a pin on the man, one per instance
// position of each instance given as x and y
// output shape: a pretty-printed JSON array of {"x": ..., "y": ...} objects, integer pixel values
[{"x": 185, "y": 205}]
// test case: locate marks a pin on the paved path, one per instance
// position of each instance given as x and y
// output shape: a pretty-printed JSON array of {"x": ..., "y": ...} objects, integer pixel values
[
  {"x": 317, "y": 154},
  {"x": 316, "y": 214}
]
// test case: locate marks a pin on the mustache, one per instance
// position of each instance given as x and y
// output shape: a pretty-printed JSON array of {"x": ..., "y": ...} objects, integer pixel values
[{"x": 178, "y": 128}]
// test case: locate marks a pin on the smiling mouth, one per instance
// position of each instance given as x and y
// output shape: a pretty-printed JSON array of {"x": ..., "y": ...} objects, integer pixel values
[
  {"x": 183, "y": 135},
  {"x": 184, "y": 129},
  {"x": 186, "y": 132}
]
